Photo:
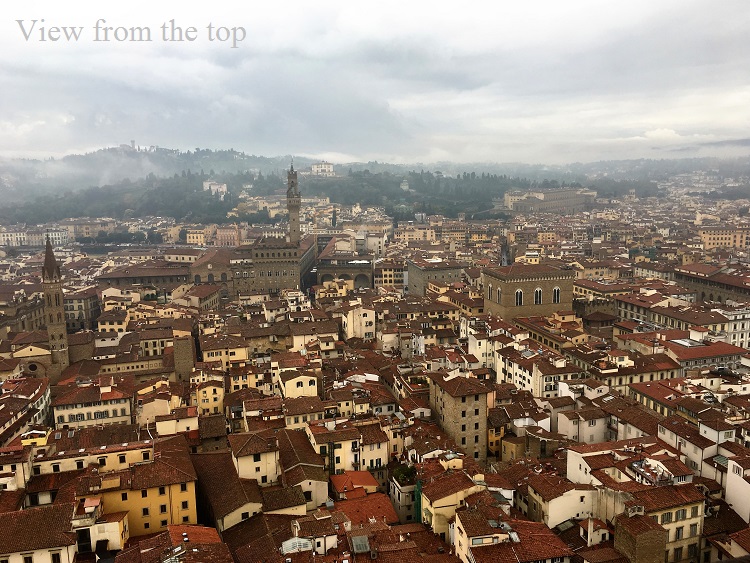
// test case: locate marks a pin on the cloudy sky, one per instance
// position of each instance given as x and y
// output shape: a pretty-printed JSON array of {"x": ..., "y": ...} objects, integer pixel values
[{"x": 400, "y": 81}]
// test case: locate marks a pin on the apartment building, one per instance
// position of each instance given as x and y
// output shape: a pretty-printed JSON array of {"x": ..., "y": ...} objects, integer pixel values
[
  {"x": 679, "y": 509},
  {"x": 91, "y": 404},
  {"x": 460, "y": 404},
  {"x": 256, "y": 456},
  {"x": 155, "y": 494},
  {"x": 338, "y": 442}
]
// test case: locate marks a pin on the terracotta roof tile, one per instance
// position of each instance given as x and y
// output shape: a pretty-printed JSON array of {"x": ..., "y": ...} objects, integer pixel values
[
  {"x": 348, "y": 480},
  {"x": 446, "y": 484},
  {"x": 359, "y": 511},
  {"x": 246, "y": 444},
  {"x": 459, "y": 386},
  {"x": 277, "y": 498},
  {"x": 295, "y": 449},
  {"x": 669, "y": 496},
  {"x": 537, "y": 542},
  {"x": 637, "y": 525},
  {"x": 220, "y": 484},
  {"x": 270, "y": 530},
  {"x": 40, "y": 528}
]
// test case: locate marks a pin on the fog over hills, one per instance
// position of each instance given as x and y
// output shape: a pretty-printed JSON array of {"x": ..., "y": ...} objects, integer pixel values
[{"x": 22, "y": 179}]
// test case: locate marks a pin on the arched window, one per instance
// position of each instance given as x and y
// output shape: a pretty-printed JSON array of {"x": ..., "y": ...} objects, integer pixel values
[
  {"x": 556, "y": 295},
  {"x": 519, "y": 298},
  {"x": 197, "y": 279},
  {"x": 489, "y": 292},
  {"x": 499, "y": 294},
  {"x": 223, "y": 276},
  {"x": 538, "y": 296},
  {"x": 57, "y": 299},
  {"x": 210, "y": 278}
]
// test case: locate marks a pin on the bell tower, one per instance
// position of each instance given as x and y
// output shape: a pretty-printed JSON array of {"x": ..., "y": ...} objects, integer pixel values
[
  {"x": 293, "y": 204},
  {"x": 54, "y": 310}
]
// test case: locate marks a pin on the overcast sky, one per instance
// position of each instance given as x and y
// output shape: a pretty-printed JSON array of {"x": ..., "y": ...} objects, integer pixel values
[{"x": 401, "y": 81}]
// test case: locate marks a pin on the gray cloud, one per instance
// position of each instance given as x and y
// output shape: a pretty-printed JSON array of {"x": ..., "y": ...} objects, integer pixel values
[{"x": 542, "y": 82}]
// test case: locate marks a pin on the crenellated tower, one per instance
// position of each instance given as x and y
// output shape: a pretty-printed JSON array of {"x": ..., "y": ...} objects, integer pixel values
[
  {"x": 293, "y": 204},
  {"x": 54, "y": 309}
]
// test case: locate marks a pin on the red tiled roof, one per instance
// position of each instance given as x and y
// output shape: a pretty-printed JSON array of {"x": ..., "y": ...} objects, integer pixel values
[
  {"x": 249, "y": 444},
  {"x": 349, "y": 480},
  {"x": 446, "y": 484},
  {"x": 639, "y": 524},
  {"x": 42, "y": 528},
  {"x": 660, "y": 498},
  {"x": 196, "y": 534},
  {"x": 459, "y": 386},
  {"x": 224, "y": 490},
  {"x": 359, "y": 511},
  {"x": 537, "y": 543}
]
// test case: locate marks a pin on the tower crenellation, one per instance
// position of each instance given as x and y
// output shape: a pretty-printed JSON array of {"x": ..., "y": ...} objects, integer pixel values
[{"x": 293, "y": 204}]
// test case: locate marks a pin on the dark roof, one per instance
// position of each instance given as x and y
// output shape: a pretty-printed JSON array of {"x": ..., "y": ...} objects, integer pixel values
[
  {"x": 301, "y": 473},
  {"x": 45, "y": 527},
  {"x": 660, "y": 498},
  {"x": 275, "y": 528},
  {"x": 447, "y": 484},
  {"x": 282, "y": 497},
  {"x": 523, "y": 270},
  {"x": 360, "y": 510},
  {"x": 537, "y": 542},
  {"x": 246, "y": 444},
  {"x": 316, "y": 527},
  {"x": 220, "y": 484},
  {"x": 10, "y": 501},
  {"x": 203, "y": 546},
  {"x": 295, "y": 449},
  {"x": 459, "y": 386},
  {"x": 171, "y": 465},
  {"x": 212, "y": 426},
  {"x": 638, "y": 524}
]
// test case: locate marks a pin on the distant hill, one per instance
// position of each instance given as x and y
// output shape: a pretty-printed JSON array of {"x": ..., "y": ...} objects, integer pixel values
[
  {"x": 136, "y": 181},
  {"x": 23, "y": 179}
]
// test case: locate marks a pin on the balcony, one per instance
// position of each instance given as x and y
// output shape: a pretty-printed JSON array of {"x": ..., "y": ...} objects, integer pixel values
[
  {"x": 88, "y": 511},
  {"x": 652, "y": 475}
]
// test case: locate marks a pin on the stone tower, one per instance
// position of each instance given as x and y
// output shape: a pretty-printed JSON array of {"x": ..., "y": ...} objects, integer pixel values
[
  {"x": 293, "y": 203},
  {"x": 54, "y": 310}
]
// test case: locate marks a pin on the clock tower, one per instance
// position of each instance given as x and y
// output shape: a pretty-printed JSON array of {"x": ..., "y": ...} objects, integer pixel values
[{"x": 293, "y": 204}]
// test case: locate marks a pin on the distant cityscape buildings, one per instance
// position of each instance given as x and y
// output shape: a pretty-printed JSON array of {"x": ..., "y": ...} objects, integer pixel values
[{"x": 567, "y": 383}]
